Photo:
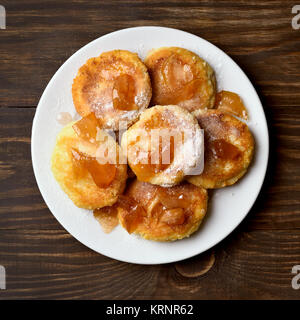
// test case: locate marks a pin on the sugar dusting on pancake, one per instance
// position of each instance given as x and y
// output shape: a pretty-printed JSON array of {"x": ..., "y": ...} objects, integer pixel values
[
  {"x": 229, "y": 148},
  {"x": 183, "y": 145},
  {"x": 114, "y": 86}
]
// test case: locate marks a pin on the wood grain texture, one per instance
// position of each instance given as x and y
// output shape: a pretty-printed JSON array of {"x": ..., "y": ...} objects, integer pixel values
[
  {"x": 43, "y": 261},
  {"x": 41, "y": 35},
  {"x": 50, "y": 264}
]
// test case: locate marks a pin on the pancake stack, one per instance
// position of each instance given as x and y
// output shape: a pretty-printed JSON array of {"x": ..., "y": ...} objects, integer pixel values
[{"x": 178, "y": 136}]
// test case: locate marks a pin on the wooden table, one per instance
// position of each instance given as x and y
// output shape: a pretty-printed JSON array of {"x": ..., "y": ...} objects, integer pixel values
[{"x": 42, "y": 260}]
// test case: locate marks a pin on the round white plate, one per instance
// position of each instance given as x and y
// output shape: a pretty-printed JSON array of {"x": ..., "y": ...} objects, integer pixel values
[{"x": 228, "y": 206}]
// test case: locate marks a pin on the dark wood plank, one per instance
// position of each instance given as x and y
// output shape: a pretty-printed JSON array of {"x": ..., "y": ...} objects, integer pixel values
[
  {"x": 21, "y": 204},
  {"x": 247, "y": 265},
  {"x": 50, "y": 264},
  {"x": 40, "y": 36}
]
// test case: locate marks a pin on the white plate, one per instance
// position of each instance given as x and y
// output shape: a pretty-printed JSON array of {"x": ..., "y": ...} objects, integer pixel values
[{"x": 228, "y": 207}]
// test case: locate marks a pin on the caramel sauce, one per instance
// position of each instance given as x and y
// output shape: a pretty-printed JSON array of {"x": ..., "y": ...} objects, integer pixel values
[
  {"x": 176, "y": 73},
  {"x": 231, "y": 102},
  {"x": 172, "y": 199},
  {"x": 133, "y": 213},
  {"x": 171, "y": 206},
  {"x": 179, "y": 77},
  {"x": 224, "y": 150},
  {"x": 173, "y": 217},
  {"x": 145, "y": 171},
  {"x": 107, "y": 217},
  {"x": 124, "y": 92},
  {"x": 86, "y": 128},
  {"x": 187, "y": 92},
  {"x": 102, "y": 174},
  {"x": 166, "y": 154},
  {"x": 159, "y": 159}
]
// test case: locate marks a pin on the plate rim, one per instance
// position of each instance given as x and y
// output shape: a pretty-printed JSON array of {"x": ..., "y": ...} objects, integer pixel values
[{"x": 217, "y": 239}]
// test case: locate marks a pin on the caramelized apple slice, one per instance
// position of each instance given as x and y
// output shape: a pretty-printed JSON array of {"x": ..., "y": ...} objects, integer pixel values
[
  {"x": 176, "y": 73},
  {"x": 148, "y": 170},
  {"x": 168, "y": 213},
  {"x": 107, "y": 217},
  {"x": 124, "y": 92},
  {"x": 224, "y": 150},
  {"x": 132, "y": 214},
  {"x": 187, "y": 92},
  {"x": 172, "y": 199},
  {"x": 102, "y": 174},
  {"x": 231, "y": 102},
  {"x": 174, "y": 216},
  {"x": 180, "y": 77},
  {"x": 86, "y": 128},
  {"x": 159, "y": 158}
]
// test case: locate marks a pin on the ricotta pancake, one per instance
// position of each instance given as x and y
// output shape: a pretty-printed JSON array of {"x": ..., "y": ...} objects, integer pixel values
[
  {"x": 164, "y": 145},
  {"x": 182, "y": 78},
  {"x": 90, "y": 180},
  {"x": 114, "y": 86},
  {"x": 162, "y": 214},
  {"x": 229, "y": 148}
]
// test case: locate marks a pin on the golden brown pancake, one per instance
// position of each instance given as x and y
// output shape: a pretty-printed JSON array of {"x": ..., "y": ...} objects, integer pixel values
[
  {"x": 162, "y": 214},
  {"x": 115, "y": 86},
  {"x": 229, "y": 148},
  {"x": 164, "y": 145},
  {"x": 75, "y": 165},
  {"x": 180, "y": 77}
]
